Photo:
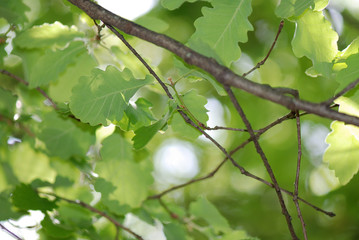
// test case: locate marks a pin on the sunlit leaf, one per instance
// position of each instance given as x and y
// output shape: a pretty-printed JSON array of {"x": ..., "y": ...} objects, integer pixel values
[
  {"x": 223, "y": 26},
  {"x": 289, "y": 8},
  {"x": 343, "y": 151},
  {"x": 61, "y": 89},
  {"x": 47, "y": 35},
  {"x": 117, "y": 166},
  {"x": 26, "y": 169},
  {"x": 104, "y": 95},
  {"x": 309, "y": 41},
  {"x": 47, "y": 67},
  {"x": 202, "y": 208}
]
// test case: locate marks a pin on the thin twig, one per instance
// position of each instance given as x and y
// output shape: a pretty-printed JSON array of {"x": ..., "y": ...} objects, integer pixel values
[
  {"x": 120, "y": 36},
  {"x": 265, "y": 161},
  {"x": 296, "y": 183},
  {"x": 341, "y": 93},
  {"x": 172, "y": 214},
  {"x": 95, "y": 210},
  {"x": 182, "y": 113},
  {"x": 19, "y": 79},
  {"x": 269, "y": 52},
  {"x": 228, "y": 128},
  {"x": 15, "y": 124},
  {"x": 10, "y": 233},
  {"x": 223, "y": 74}
]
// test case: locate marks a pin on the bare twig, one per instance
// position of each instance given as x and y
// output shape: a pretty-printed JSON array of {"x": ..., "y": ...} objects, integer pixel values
[
  {"x": 9, "y": 232},
  {"x": 341, "y": 93},
  {"x": 95, "y": 210},
  {"x": 269, "y": 52},
  {"x": 264, "y": 159},
  {"x": 19, "y": 79},
  {"x": 120, "y": 36},
  {"x": 296, "y": 183}
]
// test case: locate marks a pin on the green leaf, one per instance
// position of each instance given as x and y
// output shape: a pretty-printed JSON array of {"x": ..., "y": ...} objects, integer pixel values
[
  {"x": 132, "y": 180},
  {"x": 204, "y": 209},
  {"x": 185, "y": 70},
  {"x": 14, "y": 11},
  {"x": 196, "y": 105},
  {"x": 173, "y": 4},
  {"x": 104, "y": 96},
  {"x": 237, "y": 235},
  {"x": 55, "y": 230},
  {"x": 49, "y": 66},
  {"x": 223, "y": 26},
  {"x": 7, "y": 103},
  {"x": 155, "y": 24},
  {"x": 137, "y": 115},
  {"x": 63, "y": 138},
  {"x": 7, "y": 211},
  {"x": 144, "y": 134},
  {"x": 29, "y": 164},
  {"x": 352, "y": 49},
  {"x": 61, "y": 90},
  {"x": 75, "y": 215},
  {"x": 315, "y": 39},
  {"x": 290, "y": 8},
  {"x": 349, "y": 74},
  {"x": 174, "y": 231},
  {"x": 47, "y": 35},
  {"x": 25, "y": 197},
  {"x": 343, "y": 151}
]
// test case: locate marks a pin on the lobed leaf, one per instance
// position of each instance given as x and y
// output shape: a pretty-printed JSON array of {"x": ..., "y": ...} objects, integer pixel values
[
  {"x": 350, "y": 73},
  {"x": 204, "y": 209},
  {"x": 25, "y": 197},
  {"x": 117, "y": 167},
  {"x": 343, "y": 151},
  {"x": 14, "y": 11},
  {"x": 222, "y": 27},
  {"x": 104, "y": 95},
  {"x": 46, "y": 68},
  {"x": 47, "y": 35},
  {"x": 315, "y": 39},
  {"x": 63, "y": 138},
  {"x": 290, "y": 8}
]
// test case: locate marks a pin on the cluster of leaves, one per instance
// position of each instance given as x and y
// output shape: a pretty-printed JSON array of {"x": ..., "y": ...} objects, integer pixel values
[{"x": 67, "y": 83}]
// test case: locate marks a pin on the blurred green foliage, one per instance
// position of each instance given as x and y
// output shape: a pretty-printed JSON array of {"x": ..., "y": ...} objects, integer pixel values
[{"x": 96, "y": 81}]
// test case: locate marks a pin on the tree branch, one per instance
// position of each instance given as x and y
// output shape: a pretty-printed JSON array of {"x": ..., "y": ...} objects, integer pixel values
[
  {"x": 10, "y": 233},
  {"x": 265, "y": 161},
  {"x": 95, "y": 210},
  {"x": 269, "y": 52},
  {"x": 19, "y": 79},
  {"x": 223, "y": 74}
]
